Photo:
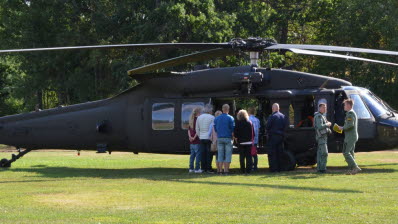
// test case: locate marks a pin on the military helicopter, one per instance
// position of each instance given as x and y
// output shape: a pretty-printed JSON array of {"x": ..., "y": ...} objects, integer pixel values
[{"x": 152, "y": 117}]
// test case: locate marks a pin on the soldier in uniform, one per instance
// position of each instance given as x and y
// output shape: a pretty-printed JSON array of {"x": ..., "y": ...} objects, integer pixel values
[
  {"x": 350, "y": 129},
  {"x": 321, "y": 135}
]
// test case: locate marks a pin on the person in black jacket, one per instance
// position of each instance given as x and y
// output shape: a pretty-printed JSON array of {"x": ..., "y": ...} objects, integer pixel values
[
  {"x": 244, "y": 135},
  {"x": 276, "y": 126}
]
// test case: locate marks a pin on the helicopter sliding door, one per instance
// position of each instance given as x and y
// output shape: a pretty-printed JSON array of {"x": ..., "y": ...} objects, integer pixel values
[{"x": 163, "y": 125}]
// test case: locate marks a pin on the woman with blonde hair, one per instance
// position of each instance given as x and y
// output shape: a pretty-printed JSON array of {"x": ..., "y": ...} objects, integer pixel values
[
  {"x": 244, "y": 135},
  {"x": 194, "y": 142}
]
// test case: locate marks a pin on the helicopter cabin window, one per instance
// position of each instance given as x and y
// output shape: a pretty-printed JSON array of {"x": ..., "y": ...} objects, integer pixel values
[
  {"x": 186, "y": 111},
  {"x": 163, "y": 116},
  {"x": 359, "y": 107},
  {"x": 304, "y": 112},
  {"x": 291, "y": 116}
]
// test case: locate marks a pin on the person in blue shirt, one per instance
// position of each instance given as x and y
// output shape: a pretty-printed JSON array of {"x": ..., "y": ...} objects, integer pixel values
[
  {"x": 256, "y": 125},
  {"x": 275, "y": 127},
  {"x": 224, "y": 127}
]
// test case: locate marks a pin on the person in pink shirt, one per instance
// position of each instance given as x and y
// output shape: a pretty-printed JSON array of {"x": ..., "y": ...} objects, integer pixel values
[{"x": 194, "y": 142}]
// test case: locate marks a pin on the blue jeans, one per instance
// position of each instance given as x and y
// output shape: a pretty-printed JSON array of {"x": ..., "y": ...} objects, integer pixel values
[
  {"x": 195, "y": 156},
  {"x": 224, "y": 146},
  {"x": 255, "y": 160}
]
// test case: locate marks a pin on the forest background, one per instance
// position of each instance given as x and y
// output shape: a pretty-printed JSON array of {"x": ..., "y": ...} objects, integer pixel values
[{"x": 50, "y": 79}]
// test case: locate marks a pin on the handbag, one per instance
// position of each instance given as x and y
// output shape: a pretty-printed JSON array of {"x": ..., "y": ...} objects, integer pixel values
[
  {"x": 253, "y": 150},
  {"x": 213, "y": 146}
]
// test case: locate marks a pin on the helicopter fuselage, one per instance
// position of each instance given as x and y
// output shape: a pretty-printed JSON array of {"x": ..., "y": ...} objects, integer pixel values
[{"x": 152, "y": 116}]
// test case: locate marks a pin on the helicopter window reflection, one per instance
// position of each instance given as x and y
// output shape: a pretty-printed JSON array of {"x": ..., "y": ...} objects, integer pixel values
[
  {"x": 359, "y": 107},
  {"x": 186, "y": 111},
  {"x": 376, "y": 105},
  {"x": 163, "y": 116}
]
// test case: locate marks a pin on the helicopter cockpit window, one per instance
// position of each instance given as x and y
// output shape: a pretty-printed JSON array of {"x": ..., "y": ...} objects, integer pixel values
[
  {"x": 376, "y": 105},
  {"x": 163, "y": 116},
  {"x": 360, "y": 108},
  {"x": 186, "y": 111}
]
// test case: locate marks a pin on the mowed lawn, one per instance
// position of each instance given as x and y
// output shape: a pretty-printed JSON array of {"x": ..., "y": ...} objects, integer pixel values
[{"x": 61, "y": 187}]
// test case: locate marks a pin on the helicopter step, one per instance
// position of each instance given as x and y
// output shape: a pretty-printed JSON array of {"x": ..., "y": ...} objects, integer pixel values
[{"x": 5, "y": 163}]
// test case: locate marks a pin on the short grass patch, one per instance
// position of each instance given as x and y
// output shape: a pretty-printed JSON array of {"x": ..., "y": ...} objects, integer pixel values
[{"x": 61, "y": 187}]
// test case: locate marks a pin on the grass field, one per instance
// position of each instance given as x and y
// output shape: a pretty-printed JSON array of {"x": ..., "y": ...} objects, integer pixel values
[{"x": 60, "y": 187}]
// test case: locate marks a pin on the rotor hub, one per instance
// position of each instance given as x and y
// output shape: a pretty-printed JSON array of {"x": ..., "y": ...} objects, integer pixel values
[{"x": 252, "y": 44}]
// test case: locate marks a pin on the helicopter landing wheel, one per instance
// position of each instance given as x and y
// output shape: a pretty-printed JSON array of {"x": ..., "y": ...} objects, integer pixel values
[
  {"x": 307, "y": 158},
  {"x": 4, "y": 163},
  {"x": 287, "y": 161},
  {"x": 7, "y": 163}
]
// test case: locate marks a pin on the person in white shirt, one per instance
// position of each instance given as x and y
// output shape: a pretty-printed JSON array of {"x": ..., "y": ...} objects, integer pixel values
[{"x": 202, "y": 129}]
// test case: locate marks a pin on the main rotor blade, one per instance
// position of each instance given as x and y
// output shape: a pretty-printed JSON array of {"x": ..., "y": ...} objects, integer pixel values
[
  {"x": 317, "y": 53},
  {"x": 329, "y": 48},
  {"x": 200, "y": 56},
  {"x": 134, "y": 46}
]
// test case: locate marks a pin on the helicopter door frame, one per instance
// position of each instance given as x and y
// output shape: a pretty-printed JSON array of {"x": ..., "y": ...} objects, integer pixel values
[{"x": 166, "y": 138}]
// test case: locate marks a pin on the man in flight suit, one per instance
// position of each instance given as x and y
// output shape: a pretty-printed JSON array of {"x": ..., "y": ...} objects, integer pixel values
[
  {"x": 321, "y": 135},
  {"x": 275, "y": 127},
  {"x": 350, "y": 129}
]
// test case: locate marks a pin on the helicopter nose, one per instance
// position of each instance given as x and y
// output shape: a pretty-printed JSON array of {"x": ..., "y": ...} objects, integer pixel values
[{"x": 388, "y": 132}]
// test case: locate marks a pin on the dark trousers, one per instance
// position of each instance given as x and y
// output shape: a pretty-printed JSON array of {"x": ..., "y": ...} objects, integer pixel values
[
  {"x": 244, "y": 154},
  {"x": 274, "y": 152},
  {"x": 255, "y": 161},
  {"x": 207, "y": 156}
]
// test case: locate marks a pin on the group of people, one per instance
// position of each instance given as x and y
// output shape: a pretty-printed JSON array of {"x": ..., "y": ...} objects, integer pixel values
[{"x": 215, "y": 135}]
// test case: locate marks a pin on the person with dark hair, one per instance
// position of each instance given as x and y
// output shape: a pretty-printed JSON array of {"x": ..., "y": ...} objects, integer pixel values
[
  {"x": 321, "y": 135},
  {"x": 276, "y": 126},
  {"x": 350, "y": 129},
  {"x": 244, "y": 135}
]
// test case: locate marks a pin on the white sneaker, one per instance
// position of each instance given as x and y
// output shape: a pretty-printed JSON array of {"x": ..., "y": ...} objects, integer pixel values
[
  {"x": 199, "y": 171},
  {"x": 191, "y": 171}
]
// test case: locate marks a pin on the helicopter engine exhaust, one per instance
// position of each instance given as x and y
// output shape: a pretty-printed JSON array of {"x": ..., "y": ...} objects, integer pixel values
[{"x": 247, "y": 79}]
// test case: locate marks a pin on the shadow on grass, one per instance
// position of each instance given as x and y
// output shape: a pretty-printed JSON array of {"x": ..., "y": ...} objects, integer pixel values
[
  {"x": 181, "y": 175},
  {"x": 162, "y": 174},
  {"x": 343, "y": 169}
]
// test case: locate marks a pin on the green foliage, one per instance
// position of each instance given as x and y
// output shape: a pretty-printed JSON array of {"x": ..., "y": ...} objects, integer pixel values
[{"x": 67, "y": 77}]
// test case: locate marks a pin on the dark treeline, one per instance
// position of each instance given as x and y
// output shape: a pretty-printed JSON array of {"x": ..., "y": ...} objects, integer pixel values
[{"x": 67, "y": 77}]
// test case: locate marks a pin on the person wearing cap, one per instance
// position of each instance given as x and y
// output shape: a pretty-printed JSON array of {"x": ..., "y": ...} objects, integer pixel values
[{"x": 321, "y": 136}]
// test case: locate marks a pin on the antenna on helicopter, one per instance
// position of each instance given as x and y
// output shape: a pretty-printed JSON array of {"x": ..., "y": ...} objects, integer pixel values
[{"x": 254, "y": 57}]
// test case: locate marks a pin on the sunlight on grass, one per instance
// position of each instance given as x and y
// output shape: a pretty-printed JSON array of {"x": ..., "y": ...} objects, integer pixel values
[{"x": 61, "y": 187}]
